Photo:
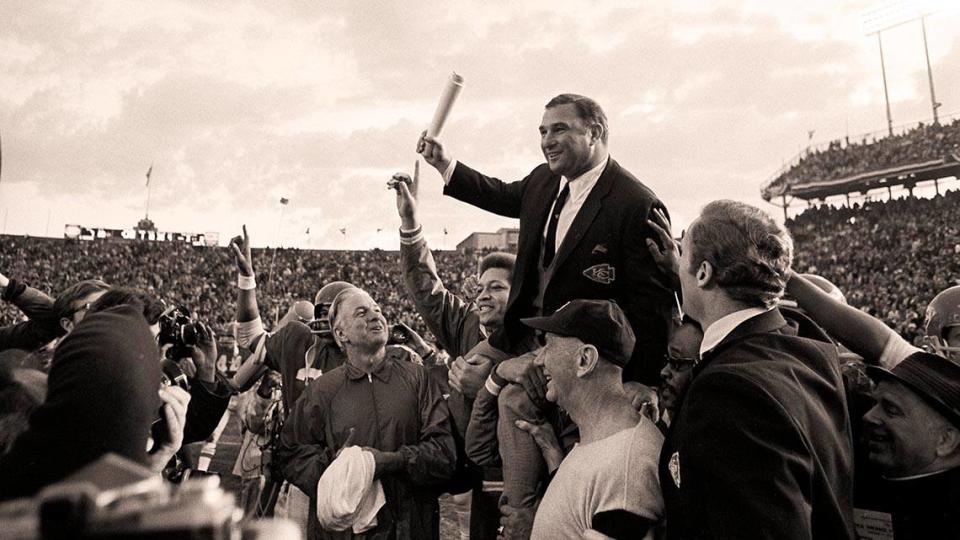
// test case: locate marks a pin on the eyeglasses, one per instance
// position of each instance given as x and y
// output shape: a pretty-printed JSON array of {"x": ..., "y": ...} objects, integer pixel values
[{"x": 680, "y": 363}]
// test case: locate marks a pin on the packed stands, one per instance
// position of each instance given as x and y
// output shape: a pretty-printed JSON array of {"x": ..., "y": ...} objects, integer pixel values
[
  {"x": 204, "y": 279},
  {"x": 890, "y": 258},
  {"x": 850, "y": 165}
]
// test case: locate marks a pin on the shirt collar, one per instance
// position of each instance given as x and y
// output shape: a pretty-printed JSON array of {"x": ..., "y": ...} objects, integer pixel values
[
  {"x": 583, "y": 183},
  {"x": 721, "y": 328}
]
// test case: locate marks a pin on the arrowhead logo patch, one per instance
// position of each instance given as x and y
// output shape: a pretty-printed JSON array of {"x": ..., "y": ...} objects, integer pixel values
[
  {"x": 674, "y": 467},
  {"x": 601, "y": 273}
]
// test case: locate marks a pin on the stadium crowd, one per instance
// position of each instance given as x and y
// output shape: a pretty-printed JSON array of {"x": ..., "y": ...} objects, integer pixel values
[
  {"x": 844, "y": 159},
  {"x": 880, "y": 253},
  {"x": 198, "y": 278},
  {"x": 605, "y": 381}
]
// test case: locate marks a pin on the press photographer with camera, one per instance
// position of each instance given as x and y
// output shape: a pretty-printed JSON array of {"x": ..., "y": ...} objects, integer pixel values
[
  {"x": 187, "y": 347},
  {"x": 104, "y": 394}
]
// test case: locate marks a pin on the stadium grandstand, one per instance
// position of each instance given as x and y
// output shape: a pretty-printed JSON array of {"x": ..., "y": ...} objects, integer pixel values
[
  {"x": 922, "y": 153},
  {"x": 203, "y": 279}
]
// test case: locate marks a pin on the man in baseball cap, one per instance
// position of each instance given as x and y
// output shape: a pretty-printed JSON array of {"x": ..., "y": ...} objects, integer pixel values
[
  {"x": 586, "y": 344},
  {"x": 913, "y": 446}
]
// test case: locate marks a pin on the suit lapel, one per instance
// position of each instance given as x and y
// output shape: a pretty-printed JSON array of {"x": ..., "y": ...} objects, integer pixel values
[{"x": 588, "y": 212}]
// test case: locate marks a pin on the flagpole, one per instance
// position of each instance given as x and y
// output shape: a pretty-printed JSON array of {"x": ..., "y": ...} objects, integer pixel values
[
  {"x": 147, "y": 213},
  {"x": 273, "y": 259}
]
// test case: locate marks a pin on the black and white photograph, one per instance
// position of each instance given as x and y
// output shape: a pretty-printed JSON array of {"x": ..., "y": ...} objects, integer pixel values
[{"x": 577, "y": 269}]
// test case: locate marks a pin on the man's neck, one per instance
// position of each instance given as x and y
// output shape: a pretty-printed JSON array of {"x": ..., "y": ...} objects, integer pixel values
[
  {"x": 599, "y": 157},
  {"x": 366, "y": 361},
  {"x": 718, "y": 306},
  {"x": 603, "y": 412}
]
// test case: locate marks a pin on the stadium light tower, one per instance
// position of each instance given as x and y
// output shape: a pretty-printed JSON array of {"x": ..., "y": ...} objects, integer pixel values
[{"x": 893, "y": 13}]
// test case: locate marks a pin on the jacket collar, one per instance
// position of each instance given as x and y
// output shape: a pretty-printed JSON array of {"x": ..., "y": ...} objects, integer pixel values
[
  {"x": 764, "y": 323},
  {"x": 382, "y": 372}
]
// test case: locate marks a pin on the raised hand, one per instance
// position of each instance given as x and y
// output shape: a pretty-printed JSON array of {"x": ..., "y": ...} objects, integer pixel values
[
  {"x": 241, "y": 251},
  {"x": 667, "y": 257},
  {"x": 407, "y": 189},
  {"x": 432, "y": 152},
  {"x": 204, "y": 353}
]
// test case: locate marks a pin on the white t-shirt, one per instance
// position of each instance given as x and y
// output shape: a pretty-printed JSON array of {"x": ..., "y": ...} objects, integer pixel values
[{"x": 615, "y": 473}]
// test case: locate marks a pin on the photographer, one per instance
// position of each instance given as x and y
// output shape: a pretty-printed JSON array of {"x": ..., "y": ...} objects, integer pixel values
[
  {"x": 102, "y": 398},
  {"x": 209, "y": 393},
  {"x": 48, "y": 319}
]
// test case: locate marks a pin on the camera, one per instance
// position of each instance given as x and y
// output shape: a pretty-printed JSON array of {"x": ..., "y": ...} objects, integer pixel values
[
  {"x": 398, "y": 335},
  {"x": 178, "y": 330}
]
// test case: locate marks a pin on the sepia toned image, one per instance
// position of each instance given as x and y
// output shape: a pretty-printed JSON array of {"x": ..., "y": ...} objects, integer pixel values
[{"x": 480, "y": 270}]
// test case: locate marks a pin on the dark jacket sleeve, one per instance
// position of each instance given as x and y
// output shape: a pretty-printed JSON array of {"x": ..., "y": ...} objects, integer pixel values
[
  {"x": 303, "y": 453},
  {"x": 647, "y": 299},
  {"x": 481, "y": 441},
  {"x": 42, "y": 326},
  {"x": 748, "y": 471},
  {"x": 490, "y": 194},
  {"x": 208, "y": 402},
  {"x": 444, "y": 313},
  {"x": 433, "y": 459}
]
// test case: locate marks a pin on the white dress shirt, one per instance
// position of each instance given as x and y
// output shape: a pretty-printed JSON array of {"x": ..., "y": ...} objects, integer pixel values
[{"x": 580, "y": 188}]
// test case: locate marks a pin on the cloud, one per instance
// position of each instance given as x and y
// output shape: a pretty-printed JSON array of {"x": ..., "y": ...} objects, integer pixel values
[{"x": 237, "y": 105}]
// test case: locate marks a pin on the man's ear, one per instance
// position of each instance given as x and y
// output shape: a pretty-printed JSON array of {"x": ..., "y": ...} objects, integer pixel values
[
  {"x": 948, "y": 444},
  {"x": 704, "y": 274},
  {"x": 596, "y": 133},
  {"x": 587, "y": 358},
  {"x": 66, "y": 324}
]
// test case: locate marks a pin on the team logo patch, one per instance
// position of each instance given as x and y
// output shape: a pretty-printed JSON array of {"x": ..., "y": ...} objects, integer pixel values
[
  {"x": 674, "y": 467},
  {"x": 601, "y": 273}
]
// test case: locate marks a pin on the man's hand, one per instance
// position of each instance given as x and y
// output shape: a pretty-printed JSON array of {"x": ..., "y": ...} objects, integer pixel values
[
  {"x": 467, "y": 375},
  {"x": 407, "y": 189},
  {"x": 644, "y": 399},
  {"x": 667, "y": 258},
  {"x": 470, "y": 289},
  {"x": 515, "y": 523},
  {"x": 546, "y": 439},
  {"x": 414, "y": 340},
  {"x": 175, "y": 402},
  {"x": 241, "y": 251},
  {"x": 522, "y": 371},
  {"x": 432, "y": 152},
  {"x": 204, "y": 353}
]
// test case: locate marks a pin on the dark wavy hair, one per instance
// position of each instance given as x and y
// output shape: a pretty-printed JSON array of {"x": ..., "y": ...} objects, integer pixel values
[
  {"x": 749, "y": 252},
  {"x": 587, "y": 109},
  {"x": 498, "y": 259}
]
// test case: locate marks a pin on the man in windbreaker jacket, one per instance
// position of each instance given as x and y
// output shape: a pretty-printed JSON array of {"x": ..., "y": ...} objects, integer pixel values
[{"x": 384, "y": 401}]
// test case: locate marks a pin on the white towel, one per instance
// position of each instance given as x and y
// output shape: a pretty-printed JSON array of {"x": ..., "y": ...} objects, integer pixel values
[{"x": 347, "y": 494}]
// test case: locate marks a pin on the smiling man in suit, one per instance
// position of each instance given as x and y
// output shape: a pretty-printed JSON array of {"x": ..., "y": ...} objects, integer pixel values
[
  {"x": 583, "y": 230},
  {"x": 583, "y": 233}
]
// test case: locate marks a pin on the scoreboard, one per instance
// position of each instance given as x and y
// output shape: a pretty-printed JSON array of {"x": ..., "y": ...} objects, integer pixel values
[{"x": 78, "y": 232}]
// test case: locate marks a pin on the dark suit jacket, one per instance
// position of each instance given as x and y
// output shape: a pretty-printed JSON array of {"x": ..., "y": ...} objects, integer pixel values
[
  {"x": 761, "y": 447},
  {"x": 604, "y": 254}
]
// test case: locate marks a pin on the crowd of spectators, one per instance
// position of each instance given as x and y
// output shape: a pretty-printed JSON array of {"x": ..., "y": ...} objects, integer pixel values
[
  {"x": 843, "y": 159},
  {"x": 890, "y": 258},
  {"x": 203, "y": 279}
]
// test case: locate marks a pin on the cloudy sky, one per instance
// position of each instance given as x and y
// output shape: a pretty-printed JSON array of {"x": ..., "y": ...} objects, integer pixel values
[{"x": 237, "y": 104}]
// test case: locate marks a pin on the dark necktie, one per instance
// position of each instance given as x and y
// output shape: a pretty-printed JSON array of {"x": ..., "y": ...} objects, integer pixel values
[{"x": 550, "y": 242}]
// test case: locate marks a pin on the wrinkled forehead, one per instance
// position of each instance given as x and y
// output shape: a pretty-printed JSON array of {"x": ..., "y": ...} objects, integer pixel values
[
  {"x": 560, "y": 114},
  {"x": 351, "y": 299},
  {"x": 495, "y": 274}
]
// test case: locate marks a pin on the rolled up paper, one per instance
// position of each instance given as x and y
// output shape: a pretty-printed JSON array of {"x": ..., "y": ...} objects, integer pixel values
[{"x": 449, "y": 95}]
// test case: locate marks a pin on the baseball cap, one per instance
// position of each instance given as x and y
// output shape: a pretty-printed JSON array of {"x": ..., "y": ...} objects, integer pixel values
[
  {"x": 600, "y": 323},
  {"x": 934, "y": 378}
]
